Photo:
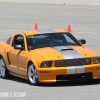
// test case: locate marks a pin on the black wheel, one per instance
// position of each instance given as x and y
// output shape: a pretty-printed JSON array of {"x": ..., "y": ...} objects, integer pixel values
[
  {"x": 3, "y": 69},
  {"x": 93, "y": 80},
  {"x": 32, "y": 75}
]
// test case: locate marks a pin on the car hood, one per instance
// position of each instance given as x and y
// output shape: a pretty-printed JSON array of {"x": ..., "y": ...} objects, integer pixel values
[{"x": 64, "y": 52}]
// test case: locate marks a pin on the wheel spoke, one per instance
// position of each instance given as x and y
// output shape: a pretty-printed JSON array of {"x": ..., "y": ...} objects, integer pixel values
[
  {"x": 36, "y": 76},
  {"x": 34, "y": 79},
  {"x": 30, "y": 74},
  {"x": 2, "y": 62},
  {"x": 35, "y": 73},
  {"x": 2, "y": 72},
  {"x": 32, "y": 68}
]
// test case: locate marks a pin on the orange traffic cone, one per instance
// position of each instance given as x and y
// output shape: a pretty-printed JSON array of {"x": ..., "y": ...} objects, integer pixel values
[
  {"x": 69, "y": 28},
  {"x": 35, "y": 26}
]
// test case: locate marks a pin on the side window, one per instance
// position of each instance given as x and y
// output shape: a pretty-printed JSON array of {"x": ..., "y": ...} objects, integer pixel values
[
  {"x": 18, "y": 40},
  {"x": 8, "y": 40}
]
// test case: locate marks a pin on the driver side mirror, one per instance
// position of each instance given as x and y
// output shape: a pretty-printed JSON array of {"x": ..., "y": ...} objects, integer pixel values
[
  {"x": 20, "y": 47},
  {"x": 83, "y": 41}
]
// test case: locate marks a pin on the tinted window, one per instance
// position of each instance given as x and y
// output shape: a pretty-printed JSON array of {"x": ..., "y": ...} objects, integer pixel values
[{"x": 8, "y": 40}]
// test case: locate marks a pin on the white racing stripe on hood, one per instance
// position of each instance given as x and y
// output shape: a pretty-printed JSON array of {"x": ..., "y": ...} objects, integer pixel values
[
  {"x": 66, "y": 55},
  {"x": 75, "y": 53},
  {"x": 80, "y": 69}
]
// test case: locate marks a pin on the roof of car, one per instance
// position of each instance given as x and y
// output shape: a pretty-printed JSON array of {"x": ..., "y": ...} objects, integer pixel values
[{"x": 42, "y": 31}]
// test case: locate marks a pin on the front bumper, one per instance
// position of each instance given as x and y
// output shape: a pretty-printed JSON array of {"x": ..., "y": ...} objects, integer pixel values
[{"x": 53, "y": 74}]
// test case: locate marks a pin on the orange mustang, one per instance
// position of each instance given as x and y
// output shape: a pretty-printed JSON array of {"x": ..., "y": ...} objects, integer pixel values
[{"x": 48, "y": 55}]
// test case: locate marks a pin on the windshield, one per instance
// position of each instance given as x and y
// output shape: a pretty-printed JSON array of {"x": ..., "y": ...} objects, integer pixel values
[{"x": 51, "y": 39}]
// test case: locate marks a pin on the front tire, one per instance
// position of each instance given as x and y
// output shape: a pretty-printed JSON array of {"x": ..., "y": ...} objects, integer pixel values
[
  {"x": 3, "y": 70},
  {"x": 32, "y": 75}
]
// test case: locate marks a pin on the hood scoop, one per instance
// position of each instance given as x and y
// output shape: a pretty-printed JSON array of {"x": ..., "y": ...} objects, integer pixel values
[
  {"x": 62, "y": 48},
  {"x": 66, "y": 49}
]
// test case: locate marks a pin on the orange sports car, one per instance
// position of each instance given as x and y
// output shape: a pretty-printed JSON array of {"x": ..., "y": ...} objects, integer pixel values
[{"x": 49, "y": 55}]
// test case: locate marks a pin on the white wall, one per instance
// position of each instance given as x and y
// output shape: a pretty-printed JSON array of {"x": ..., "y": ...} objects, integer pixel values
[{"x": 78, "y": 2}]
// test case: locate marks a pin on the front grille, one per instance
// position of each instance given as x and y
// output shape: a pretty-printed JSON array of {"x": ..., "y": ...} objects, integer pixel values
[
  {"x": 73, "y": 62},
  {"x": 75, "y": 76}
]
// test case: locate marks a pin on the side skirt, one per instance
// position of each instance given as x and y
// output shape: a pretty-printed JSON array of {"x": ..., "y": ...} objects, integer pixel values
[{"x": 18, "y": 75}]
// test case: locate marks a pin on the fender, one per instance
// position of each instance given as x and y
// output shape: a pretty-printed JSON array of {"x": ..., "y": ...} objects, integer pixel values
[
  {"x": 33, "y": 60},
  {"x": 4, "y": 55},
  {"x": 36, "y": 60}
]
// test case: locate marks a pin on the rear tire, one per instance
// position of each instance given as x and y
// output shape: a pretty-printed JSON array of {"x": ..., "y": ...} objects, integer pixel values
[
  {"x": 32, "y": 75},
  {"x": 3, "y": 69}
]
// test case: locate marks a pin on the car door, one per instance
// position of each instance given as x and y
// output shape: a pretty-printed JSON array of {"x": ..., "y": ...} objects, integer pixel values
[{"x": 17, "y": 57}]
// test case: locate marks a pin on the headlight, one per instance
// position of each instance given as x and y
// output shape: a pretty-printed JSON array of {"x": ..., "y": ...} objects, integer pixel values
[
  {"x": 46, "y": 64},
  {"x": 96, "y": 60}
]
